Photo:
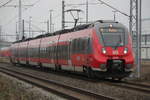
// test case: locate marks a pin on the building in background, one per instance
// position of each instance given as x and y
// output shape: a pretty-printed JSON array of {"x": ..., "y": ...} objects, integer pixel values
[
  {"x": 4, "y": 44},
  {"x": 145, "y": 39}
]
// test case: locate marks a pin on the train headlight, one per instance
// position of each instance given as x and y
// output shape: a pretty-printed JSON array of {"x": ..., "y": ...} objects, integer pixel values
[
  {"x": 125, "y": 50},
  {"x": 103, "y": 50}
]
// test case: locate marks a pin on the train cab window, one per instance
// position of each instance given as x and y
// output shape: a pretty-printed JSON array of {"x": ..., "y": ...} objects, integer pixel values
[{"x": 113, "y": 37}]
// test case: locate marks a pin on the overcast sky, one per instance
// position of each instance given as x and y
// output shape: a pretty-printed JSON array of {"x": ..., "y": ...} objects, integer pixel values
[{"x": 40, "y": 12}]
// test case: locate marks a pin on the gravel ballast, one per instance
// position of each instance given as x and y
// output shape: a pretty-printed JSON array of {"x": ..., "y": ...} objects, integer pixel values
[{"x": 14, "y": 89}]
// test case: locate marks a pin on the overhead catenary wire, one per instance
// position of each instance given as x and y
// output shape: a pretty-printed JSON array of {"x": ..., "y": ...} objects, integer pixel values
[
  {"x": 102, "y": 2},
  {"x": 36, "y": 27},
  {"x": 23, "y": 11},
  {"x": 5, "y": 3}
]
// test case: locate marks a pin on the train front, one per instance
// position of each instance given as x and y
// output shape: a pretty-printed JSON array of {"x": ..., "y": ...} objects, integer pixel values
[{"x": 113, "y": 51}]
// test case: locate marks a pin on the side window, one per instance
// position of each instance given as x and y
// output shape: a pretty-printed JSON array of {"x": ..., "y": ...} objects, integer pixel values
[
  {"x": 52, "y": 52},
  {"x": 44, "y": 53},
  {"x": 82, "y": 45},
  {"x": 65, "y": 52},
  {"x": 69, "y": 45},
  {"x": 49, "y": 52},
  {"x": 59, "y": 51},
  {"x": 62, "y": 51},
  {"x": 89, "y": 45},
  {"x": 76, "y": 45},
  {"x": 85, "y": 44},
  {"x": 72, "y": 46},
  {"x": 32, "y": 53},
  {"x": 79, "y": 45},
  {"x": 29, "y": 52}
]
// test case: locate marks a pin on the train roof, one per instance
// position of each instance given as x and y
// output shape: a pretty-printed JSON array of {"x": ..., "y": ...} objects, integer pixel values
[{"x": 77, "y": 28}]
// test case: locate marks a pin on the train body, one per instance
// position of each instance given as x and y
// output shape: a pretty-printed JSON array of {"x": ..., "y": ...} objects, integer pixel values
[
  {"x": 102, "y": 47},
  {"x": 5, "y": 55},
  {"x": 5, "y": 52}
]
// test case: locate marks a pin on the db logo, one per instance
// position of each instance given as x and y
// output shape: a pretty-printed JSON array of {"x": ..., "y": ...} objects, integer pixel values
[{"x": 115, "y": 52}]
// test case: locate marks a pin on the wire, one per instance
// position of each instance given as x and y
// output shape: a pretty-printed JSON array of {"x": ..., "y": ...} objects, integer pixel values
[
  {"x": 36, "y": 26},
  {"x": 102, "y": 2},
  {"x": 5, "y": 3},
  {"x": 23, "y": 11},
  {"x": 35, "y": 3},
  {"x": 58, "y": 15}
]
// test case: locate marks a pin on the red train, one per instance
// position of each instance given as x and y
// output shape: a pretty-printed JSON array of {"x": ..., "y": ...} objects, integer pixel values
[
  {"x": 5, "y": 52},
  {"x": 101, "y": 48}
]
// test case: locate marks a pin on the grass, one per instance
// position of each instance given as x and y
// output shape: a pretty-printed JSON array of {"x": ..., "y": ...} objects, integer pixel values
[{"x": 13, "y": 90}]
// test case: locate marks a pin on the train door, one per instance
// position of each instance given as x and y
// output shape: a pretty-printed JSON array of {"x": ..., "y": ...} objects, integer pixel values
[
  {"x": 40, "y": 53},
  {"x": 88, "y": 50},
  {"x": 85, "y": 45},
  {"x": 26, "y": 50},
  {"x": 72, "y": 51},
  {"x": 55, "y": 53},
  {"x": 56, "y": 50},
  {"x": 69, "y": 52},
  {"x": 13, "y": 53},
  {"x": 18, "y": 52}
]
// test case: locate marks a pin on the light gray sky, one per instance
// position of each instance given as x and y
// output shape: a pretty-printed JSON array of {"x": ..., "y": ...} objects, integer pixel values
[{"x": 40, "y": 12}]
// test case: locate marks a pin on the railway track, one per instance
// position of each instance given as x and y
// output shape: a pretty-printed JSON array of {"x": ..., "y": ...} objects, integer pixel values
[
  {"x": 124, "y": 85},
  {"x": 138, "y": 87},
  {"x": 64, "y": 90}
]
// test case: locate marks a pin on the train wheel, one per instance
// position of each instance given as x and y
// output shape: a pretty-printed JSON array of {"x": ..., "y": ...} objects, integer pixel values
[
  {"x": 89, "y": 72},
  {"x": 116, "y": 79},
  {"x": 12, "y": 61},
  {"x": 57, "y": 67},
  {"x": 41, "y": 66},
  {"x": 120, "y": 79}
]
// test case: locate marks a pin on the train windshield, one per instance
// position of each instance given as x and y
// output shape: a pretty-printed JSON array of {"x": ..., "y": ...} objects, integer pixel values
[{"x": 113, "y": 37}]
